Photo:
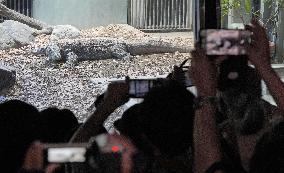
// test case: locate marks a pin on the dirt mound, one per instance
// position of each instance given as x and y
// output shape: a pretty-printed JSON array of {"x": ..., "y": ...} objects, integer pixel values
[{"x": 114, "y": 30}]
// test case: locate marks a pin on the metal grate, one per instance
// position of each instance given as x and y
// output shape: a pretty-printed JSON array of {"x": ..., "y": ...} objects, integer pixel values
[
  {"x": 160, "y": 14},
  {"x": 21, "y": 6}
]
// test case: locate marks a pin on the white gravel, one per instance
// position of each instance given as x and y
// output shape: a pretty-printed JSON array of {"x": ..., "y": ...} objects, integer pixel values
[{"x": 72, "y": 88}]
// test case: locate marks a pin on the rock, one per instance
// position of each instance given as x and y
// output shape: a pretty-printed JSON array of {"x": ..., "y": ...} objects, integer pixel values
[
  {"x": 64, "y": 32},
  {"x": 6, "y": 41},
  {"x": 14, "y": 34},
  {"x": 7, "y": 78}
]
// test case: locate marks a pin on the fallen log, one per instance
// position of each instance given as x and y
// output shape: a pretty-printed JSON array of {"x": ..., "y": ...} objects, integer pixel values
[{"x": 13, "y": 15}]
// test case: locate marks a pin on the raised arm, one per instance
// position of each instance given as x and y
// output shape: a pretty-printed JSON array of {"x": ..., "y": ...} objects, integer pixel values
[
  {"x": 116, "y": 95},
  {"x": 206, "y": 144},
  {"x": 259, "y": 56}
]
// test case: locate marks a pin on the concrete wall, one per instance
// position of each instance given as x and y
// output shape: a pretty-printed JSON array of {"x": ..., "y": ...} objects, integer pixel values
[{"x": 81, "y": 13}]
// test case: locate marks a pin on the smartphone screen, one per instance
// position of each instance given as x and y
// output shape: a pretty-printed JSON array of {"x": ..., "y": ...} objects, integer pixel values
[
  {"x": 60, "y": 153},
  {"x": 66, "y": 155},
  {"x": 225, "y": 41},
  {"x": 138, "y": 88}
]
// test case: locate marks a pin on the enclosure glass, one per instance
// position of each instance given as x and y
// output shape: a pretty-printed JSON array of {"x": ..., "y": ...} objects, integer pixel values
[
  {"x": 47, "y": 75},
  {"x": 236, "y": 13}
]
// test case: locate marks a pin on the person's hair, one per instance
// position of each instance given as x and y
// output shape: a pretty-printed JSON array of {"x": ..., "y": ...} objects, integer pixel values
[
  {"x": 248, "y": 81},
  {"x": 130, "y": 126},
  {"x": 18, "y": 129},
  {"x": 165, "y": 118},
  {"x": 269, "y": 152},
  {"x": 99, "y": 99},
  {"x": 60, "y": 124},
  {"x": 240, "y": 95}
]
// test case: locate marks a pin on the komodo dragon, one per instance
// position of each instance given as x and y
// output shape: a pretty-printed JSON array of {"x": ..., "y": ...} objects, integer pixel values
[{"x": 73, "y": 51}]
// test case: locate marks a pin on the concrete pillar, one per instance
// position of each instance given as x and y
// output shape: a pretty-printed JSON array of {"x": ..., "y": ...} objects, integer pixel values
[
  {"x": 196, "y": 18},
  {"x": 280, "y": 40}
]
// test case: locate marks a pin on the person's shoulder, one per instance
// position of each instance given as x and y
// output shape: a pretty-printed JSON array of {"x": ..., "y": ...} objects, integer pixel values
[{"x": 273, "y": 113}]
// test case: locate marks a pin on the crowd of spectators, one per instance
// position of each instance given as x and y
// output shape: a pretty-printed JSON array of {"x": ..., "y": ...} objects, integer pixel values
[{"x": 226, "y": 128}]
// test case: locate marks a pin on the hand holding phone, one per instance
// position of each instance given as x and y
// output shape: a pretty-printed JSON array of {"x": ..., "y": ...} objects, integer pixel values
[
  {"x": 34, "y": 159},
  {"x": 103, "y": 153},
  {"x": 65, "y": 153},
  {"x": 203, "y": 73},
  {"x": 180, "y": 73},
  {"x": 116, "y": 94}
]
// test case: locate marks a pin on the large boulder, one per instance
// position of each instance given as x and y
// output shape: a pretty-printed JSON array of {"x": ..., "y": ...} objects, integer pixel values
[
  {"x": 64, "y": 32},
  {"x": 7, "y": 78},
  {"x": 6, "y": 41},
  {"x": 14, "y": 34}
]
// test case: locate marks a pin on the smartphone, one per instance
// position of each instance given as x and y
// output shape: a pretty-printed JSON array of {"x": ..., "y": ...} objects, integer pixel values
[
  {"x": 138, "y": 88},
  {"x": 225, "y": 41},
  {"x": 65, "y": 153},
  {"x": 100, "y": 153}
]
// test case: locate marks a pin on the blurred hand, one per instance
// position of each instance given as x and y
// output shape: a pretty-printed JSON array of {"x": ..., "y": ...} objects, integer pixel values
[
  {"x": 203, "y": 73},
  {"x": 34, "y": 159},
  {"x": 129, "y": 151},
  {"x": 51, "y": 168},
  {"x": 117, "y": 94},
  {"x": 177, "y": 74},
  {"x": 258, "y": 50}
]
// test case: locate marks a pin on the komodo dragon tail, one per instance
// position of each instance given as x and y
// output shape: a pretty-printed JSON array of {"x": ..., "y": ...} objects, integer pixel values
[{"x": 156, "y": 47}]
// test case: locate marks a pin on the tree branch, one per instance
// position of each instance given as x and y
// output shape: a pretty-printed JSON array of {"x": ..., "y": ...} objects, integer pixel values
[{"x": 13, "y": 15}]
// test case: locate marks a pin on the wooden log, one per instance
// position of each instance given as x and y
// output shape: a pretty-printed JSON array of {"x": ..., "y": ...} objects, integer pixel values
[{"x": 13, "y": 15}]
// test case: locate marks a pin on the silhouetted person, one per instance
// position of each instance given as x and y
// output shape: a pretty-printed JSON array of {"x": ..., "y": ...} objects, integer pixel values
[
  {"x": 240, "y": 95},
  {"x": 269, "y": 152},
  {"x": 18, "y": 129},
  {"x": 60, "y": 124},
  {"x": 162, "y": 126}
]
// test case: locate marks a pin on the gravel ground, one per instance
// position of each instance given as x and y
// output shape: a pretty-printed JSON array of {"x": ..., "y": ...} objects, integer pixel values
[{"x": 72, "y": 88}]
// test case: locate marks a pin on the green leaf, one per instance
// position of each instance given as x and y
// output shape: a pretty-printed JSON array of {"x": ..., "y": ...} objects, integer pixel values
[
  {"x": 248, "y": 6},
  {"x": 225, "y": 5}
]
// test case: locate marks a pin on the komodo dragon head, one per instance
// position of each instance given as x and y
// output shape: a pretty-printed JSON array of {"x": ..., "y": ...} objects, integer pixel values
[{"x": 51, "y": 51}]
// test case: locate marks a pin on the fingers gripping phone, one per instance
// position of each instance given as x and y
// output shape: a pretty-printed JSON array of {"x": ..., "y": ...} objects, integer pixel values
[
  {"x": 187, "y": 79},
  {"x": 225, "y": 41}
]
